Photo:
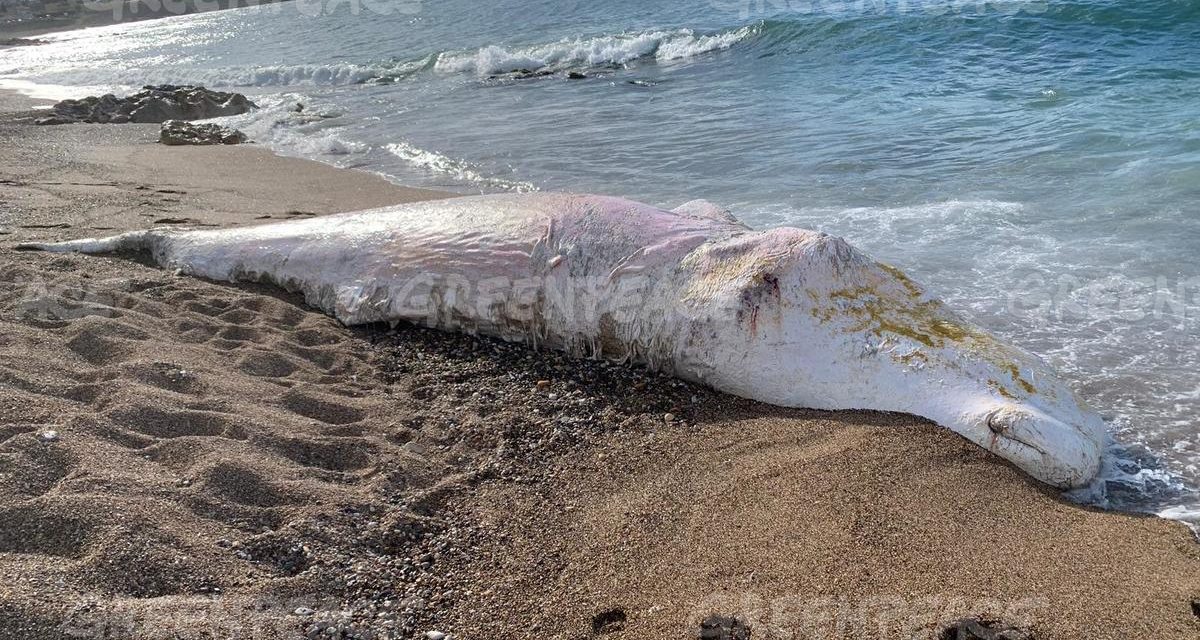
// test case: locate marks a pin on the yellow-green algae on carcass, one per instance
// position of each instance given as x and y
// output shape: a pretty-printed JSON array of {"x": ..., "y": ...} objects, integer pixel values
[{"x": 883, "y": 308}]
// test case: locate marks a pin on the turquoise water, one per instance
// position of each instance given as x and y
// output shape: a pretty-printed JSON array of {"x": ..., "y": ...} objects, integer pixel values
[{"x": 1037, "y": 164}]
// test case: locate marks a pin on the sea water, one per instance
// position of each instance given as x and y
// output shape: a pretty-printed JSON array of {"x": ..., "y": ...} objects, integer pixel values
[{"x": 1037, "y": 164}]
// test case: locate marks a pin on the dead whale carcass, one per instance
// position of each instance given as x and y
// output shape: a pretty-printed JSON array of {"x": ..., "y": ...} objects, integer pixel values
[{"x": 786, "y": 316}]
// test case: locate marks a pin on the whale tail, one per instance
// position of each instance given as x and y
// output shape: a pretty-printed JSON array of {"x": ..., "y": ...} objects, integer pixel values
[{"x": 126, "y": 242}]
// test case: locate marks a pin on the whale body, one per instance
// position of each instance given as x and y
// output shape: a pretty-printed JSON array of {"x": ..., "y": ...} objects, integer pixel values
[{"x": 785, "y": 316}]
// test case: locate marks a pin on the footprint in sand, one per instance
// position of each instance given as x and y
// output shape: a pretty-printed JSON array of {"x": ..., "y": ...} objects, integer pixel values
[
  {"x": 329, "y": 412},
  {"x": 329, "y": 454},
  {"x": 40, "y": 526},
  {"x": 242, "y": 484},
  {"x": 101, "y": 340},
  {"x": 162, "y": 423},
  {"x": 267, "y": 364}
]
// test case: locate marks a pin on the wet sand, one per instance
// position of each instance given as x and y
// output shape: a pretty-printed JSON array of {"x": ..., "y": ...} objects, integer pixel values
[{"x": 181, "y": 458}]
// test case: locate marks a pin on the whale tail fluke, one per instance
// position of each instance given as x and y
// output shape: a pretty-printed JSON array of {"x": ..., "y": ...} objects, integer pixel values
[{"x": 131, "y": 241}]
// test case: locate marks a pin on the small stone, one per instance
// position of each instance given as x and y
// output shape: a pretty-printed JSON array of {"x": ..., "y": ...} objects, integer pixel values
[
  {"x": 434, "y": 635},
  {"x": 723, "y": 628},
  {"x": 48, "y": 436},
  {"x": 542, "y": 385},
  {"x": 53, "y": 120},
  {"x": 669, "y": 417},
  {"x": 303, "y": 611},
  {"x": 178, "y": 132},
  {"x": 608, "y": 621}
]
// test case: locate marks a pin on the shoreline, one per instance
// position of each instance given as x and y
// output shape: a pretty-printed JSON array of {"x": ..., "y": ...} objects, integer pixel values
[{"x": 225, "y": 459}]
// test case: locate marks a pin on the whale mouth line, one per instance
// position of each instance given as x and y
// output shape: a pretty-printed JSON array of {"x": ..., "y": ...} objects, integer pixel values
[
  {"x": 999, "y": 442},
  {"x": 1012, "y": 438}
]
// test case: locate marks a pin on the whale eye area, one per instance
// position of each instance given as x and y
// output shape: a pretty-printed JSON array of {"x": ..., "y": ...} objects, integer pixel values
[{"x": 996, "y": 424}]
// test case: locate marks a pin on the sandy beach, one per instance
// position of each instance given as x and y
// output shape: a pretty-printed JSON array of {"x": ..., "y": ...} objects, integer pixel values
[{"x": 189, "y": 459}]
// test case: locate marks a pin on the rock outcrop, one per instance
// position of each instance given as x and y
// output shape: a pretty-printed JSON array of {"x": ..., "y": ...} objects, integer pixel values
[
  {"x": 20, "y": 42},
  {"x": 153, "y": 104},
  {"x": 178, "y": 132}
]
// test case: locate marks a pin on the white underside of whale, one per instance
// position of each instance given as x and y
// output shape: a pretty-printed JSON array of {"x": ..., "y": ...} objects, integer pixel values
[{"x": 786, "y": 316}]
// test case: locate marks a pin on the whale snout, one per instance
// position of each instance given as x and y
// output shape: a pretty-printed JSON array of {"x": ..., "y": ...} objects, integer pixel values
[{"x": 1061, "y": 452}]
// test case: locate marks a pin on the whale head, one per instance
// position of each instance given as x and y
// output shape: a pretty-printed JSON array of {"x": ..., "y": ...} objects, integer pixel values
[
  {"x": 806, "y": 320},
  {"x": 1062, "y": 446}
]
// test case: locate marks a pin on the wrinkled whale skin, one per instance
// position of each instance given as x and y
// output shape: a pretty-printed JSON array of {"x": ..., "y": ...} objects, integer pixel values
[{"x": 786, "y": 316}]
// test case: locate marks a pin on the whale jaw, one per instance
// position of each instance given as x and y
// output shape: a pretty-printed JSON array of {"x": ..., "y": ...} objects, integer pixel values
[{"x": 1061, "y": 453}]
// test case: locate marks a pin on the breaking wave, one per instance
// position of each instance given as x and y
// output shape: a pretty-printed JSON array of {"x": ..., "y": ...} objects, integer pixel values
[
  {"x": 607, "y": 50},
  {"x": 311, "y": 74}
]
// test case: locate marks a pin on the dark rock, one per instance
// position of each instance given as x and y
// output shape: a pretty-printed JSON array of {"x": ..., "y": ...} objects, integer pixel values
[
  {"x": 55, "y": 120},
  {"x": 975, "y": 629},
  {"x": 178, "y": 132},
  {"x": 575, "y": 75},
  {"x": 723, "y": 628},
  {"x": 608, "y": 621},
  {"x": 153, "y": 104},
  {"x": 522, "y": 74},
  {"x": 20, "y": 42}
]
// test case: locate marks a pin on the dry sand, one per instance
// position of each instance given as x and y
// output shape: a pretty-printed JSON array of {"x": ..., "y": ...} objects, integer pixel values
[{"x": 226, "y": 463}]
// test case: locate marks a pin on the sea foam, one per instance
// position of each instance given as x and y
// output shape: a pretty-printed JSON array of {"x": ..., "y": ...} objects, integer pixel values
[
  {"x": 310, "y": 133},
  {"x": 459, "y": 170}
]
